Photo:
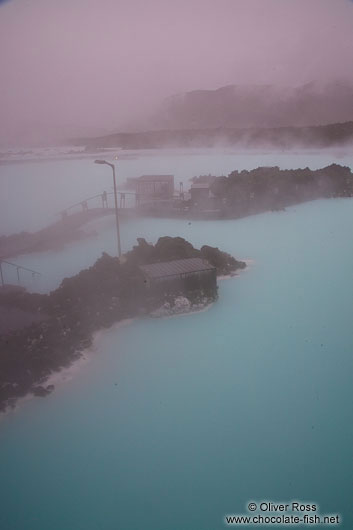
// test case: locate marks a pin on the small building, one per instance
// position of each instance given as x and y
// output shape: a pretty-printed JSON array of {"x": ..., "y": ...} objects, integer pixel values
[
  {"x": 202, "y": 197},
  {"x": 130, "y": 183},
  {"x": 155, "y": 186},
  {"x": 180, "y": 275},
  {"x": 200, "y": 192}
]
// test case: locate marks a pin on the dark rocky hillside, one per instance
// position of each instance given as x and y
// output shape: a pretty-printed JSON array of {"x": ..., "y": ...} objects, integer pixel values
[
  {"x": 60, "y": 325},
  {"x": 314, "y": 137}
]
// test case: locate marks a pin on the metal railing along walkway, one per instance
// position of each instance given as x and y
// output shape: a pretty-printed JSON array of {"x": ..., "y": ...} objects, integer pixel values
[{"x": 19, "y": 268}]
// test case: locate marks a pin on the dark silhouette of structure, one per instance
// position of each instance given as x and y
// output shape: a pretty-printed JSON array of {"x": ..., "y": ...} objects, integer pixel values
[
  {"x": 180, "y": 275},
  {"x": 105, "y": 199},
  {"x": 155, "y": 186}
]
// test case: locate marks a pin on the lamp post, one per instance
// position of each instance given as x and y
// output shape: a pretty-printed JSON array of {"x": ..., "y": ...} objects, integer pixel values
[{"x": 116, "y": 202}]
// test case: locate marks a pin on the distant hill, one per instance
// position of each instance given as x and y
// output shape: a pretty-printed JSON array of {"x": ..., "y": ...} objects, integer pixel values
[
  {"x": 323, "y": 136},
  {"x": 257, "y": 106}
]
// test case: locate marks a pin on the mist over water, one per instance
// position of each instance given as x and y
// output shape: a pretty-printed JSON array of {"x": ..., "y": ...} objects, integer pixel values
[
  {"x": 33, "y": 194},
  {"x": 173, "y": 423},
  {"x": 176, "y": 422}
]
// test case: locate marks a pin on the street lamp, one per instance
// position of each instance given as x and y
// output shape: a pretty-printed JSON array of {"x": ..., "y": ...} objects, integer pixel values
[{"x": 116, "y": 202}]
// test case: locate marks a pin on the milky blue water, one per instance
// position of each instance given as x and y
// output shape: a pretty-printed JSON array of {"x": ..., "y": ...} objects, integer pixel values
[
  {"x": 176, "y": 422},
  {"x": 31, "y": 194}
]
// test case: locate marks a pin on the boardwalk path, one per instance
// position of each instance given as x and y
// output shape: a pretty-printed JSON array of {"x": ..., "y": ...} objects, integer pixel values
[{"x": 55, "y": 235}]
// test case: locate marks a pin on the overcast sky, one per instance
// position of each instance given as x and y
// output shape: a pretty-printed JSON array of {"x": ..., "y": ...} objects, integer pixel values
[{"x": 85, "y": 65}]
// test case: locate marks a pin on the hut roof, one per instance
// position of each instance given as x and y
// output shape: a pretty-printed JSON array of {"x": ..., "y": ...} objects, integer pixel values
[
  {"x": 176, "y": 267},
  {"x": 155, "y": 178},
  {"x": 201, "y": 185}
]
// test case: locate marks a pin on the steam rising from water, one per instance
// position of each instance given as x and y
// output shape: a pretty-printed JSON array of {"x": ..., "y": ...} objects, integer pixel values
[{"x": 86, "y": 67}]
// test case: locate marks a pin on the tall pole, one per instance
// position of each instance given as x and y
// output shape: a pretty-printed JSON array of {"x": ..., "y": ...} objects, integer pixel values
[
  {"x": 116, "y": 211},
  {"x": 115, "y": 201}
]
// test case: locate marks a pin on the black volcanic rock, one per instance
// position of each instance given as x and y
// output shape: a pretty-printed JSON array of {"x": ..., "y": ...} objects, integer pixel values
[
  {"x": 224, "y": 262},
  {"x": 270, "y": 188},
  {"x": 95, "y": 298}
]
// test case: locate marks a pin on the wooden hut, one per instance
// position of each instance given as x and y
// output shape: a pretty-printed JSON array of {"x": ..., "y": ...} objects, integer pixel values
[
  {"x": 155, "y": 186},
  {"x": 180, "y": 275}
]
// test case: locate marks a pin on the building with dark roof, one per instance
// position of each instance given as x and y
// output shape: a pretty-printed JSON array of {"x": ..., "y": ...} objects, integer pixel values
[
  {"x": 180, "y": 275},
  {"x": 202, "y": 197},
  {"x": 155, "y": 186}
]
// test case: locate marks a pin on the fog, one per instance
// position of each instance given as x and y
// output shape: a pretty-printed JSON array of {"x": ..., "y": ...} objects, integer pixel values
[
  {"x": 88, "y": 68},
  {"x": 237, "y": 227}
]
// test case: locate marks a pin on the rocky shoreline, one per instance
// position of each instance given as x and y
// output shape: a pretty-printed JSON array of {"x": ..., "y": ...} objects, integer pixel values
[
  {"x": 264, "y": 189},
  {"x": 95, "y": 299}
]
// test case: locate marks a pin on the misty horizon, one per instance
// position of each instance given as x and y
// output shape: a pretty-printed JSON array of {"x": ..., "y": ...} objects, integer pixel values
[
  {"x": 87, "y": 69},
  {"x": 176, "y": 211}
]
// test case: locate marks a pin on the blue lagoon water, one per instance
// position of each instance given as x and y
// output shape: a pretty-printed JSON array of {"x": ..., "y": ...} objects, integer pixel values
[{"x": 176, "y": 422}]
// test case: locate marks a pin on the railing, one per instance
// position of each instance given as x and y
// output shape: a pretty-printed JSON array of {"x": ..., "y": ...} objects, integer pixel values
[
  {"x": 18, "y": 267},
  {"x": 121, "y": 196},
  {"x": 103, "y": 196}
]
